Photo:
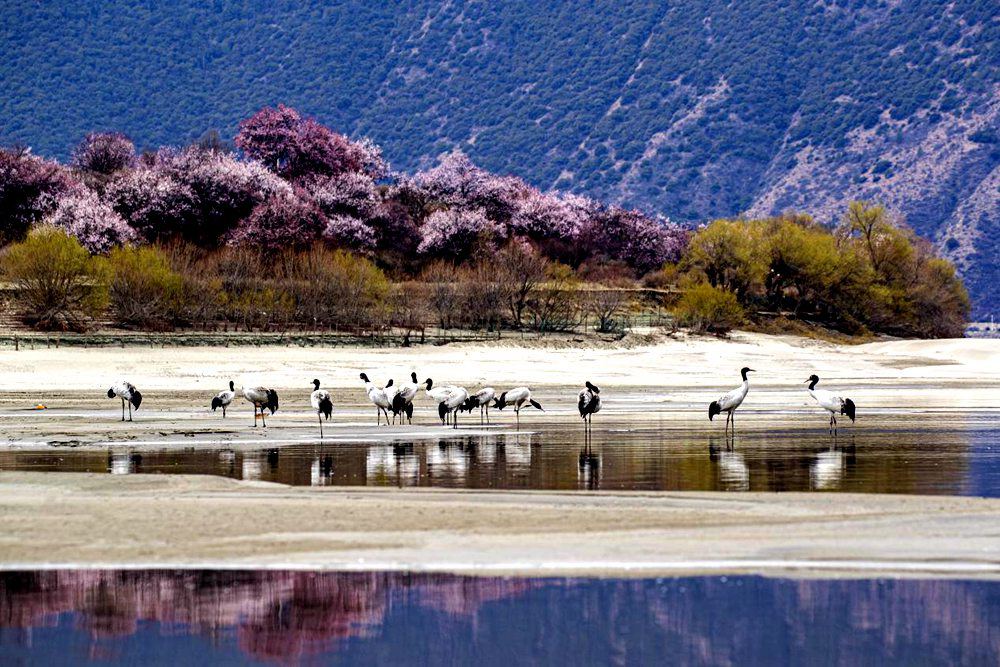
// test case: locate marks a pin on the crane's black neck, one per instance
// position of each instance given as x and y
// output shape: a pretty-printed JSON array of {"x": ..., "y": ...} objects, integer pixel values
[
  {"x": 232, "y": 386},
  {"x": 744, "y": 374},
  {"x": 812, "y": 383}
]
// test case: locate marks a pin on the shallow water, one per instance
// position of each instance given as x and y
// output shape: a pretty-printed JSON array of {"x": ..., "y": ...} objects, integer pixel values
[
  {"x": 227, "y": 617},
  {"x": 931, "y": 453}
]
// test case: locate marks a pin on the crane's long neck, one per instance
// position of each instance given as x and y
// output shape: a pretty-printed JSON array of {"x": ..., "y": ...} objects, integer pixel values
[{"x": 812, "y": 384}]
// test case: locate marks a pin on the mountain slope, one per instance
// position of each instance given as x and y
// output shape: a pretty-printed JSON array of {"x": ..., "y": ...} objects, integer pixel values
[{"x": 698, "y": 109}]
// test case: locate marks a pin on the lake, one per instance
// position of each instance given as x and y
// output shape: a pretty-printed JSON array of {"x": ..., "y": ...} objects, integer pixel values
[
  {"x": 153, "y": 617},
  {"x": 922, "y": 453}
]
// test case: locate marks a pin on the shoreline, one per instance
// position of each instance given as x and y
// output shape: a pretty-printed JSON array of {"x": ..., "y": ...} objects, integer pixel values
[{"x": 89, "y": 521}]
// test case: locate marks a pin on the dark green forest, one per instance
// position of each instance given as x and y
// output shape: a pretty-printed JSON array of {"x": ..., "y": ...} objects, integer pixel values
[{"x": 697, "y": 109}]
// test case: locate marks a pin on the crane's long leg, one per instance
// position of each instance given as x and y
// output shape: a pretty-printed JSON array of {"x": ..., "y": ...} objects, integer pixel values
[
  {"x": 255, "y": 415},
  {"x": 123, "y": 409},
  {"x": 262, "y": 420},
  {"x": 130, "y": 410},
  {"x": 320, "y": 418}
]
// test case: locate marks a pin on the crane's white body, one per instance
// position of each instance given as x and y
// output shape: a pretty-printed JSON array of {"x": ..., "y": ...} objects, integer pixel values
[
  {"x": 451, "y": 403},
  {"x": 589, "y": 402},
  {"x": 379, "y": 396},
  {"x": 482, "y": 399},
  {"x": 833, "y": 403},
  {"x": 260, "y": 398},
  {"x": 224, "y": 399},
  {"x": 402, "y": 401},
  {"x": 322, "y": 403},
  {"x": 734, "y": 398},
  {"x": 731, "y": 400},
  {"x": 516, "y": 397},
  {"x": 128, "y": 394}
]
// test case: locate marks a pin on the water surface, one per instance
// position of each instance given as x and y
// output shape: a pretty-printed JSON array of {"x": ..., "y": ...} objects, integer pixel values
[
  {"x": 154, "y": 617},
  {"x": 923, "y": 454}
]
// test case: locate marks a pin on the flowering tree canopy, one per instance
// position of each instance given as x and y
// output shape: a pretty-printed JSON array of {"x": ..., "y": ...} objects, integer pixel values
[
  {"x": 296, "y": 147},
  {"x": 629, "y": 236},
  {"x": 91, "y": 221},
  {"x": 346, "y": 231},
  {"x": 458, "y": 183},
  {"x": 459, "y": 235},
  {"x": 285, "y": 220},
  {"x": 104, "y": 153},
  {"x": 29, "y": 188}
]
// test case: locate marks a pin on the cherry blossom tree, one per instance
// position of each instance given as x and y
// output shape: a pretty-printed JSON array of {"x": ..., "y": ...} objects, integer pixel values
[
  {"x": 29, "y": 189},
  {"x": 351, "y": 193},
  {"x": 94, "y": 223},
  {"x": 348, "y": 232},
  {"x": 104, "y": 153},
  {"x": 285, "y": 220},
  {"x": 458, "y": 183},
  {"x": 459, "y": 235},
  {"x": 155, "y": 203},
  {"x": 296, "y": 147},
  {"x": 642, "y": 242}
]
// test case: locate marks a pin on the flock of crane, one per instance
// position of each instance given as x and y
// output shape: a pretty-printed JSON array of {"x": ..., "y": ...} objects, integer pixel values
[{"x": 452, "y": 400}]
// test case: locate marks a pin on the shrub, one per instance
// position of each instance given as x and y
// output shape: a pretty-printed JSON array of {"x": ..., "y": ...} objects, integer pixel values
[
  {"x": 57, "y": 284},
  {"x": 555, "y": 304},
  {"x": 144, "y": 289},
  {"x": 705, "y": 308}
]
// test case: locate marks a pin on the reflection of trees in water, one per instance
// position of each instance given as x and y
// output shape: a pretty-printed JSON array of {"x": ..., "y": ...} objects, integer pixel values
[
  {"x": 290, "y": 616},
  {"x": 282, "y": 615}
]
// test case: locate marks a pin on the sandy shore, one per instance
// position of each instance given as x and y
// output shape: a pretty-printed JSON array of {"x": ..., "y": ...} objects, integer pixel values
[
  {"x": 673, "y": 380},
  {"x": 72, "y": 520}
]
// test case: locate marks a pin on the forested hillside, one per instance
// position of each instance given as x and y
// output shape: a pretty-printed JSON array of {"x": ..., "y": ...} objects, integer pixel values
[{"x": 697, "y": 109}]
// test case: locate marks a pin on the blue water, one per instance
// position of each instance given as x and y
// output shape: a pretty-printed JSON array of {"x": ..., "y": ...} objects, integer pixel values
[{"x": 253, "y": 617}]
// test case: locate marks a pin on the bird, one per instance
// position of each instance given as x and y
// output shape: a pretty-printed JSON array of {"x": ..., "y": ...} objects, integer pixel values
[
  {"x": 589, "y": 402},
  {"x": 516, "y": 397},
  {"x": 322, "y": 404},
  {"x": 379, "y": 398},
  {"x": 732, "y": 400},
  {"x": 830, "y": 402},
  {"x": 439, "y": 394},
  {"x": 224, "y": 398},
  {"x": 126, "y": 391},
  {"x": 452, "y": 403},
  {"x": 402, "y": 400},
  {"x": 260, "y": 398},
  {"x": 481, "y": 399}
]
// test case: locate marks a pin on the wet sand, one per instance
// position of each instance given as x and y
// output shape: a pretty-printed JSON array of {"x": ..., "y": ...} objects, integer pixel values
[
  {"x": 54, "y": 519},
  {"x": 82, "y": 520}
]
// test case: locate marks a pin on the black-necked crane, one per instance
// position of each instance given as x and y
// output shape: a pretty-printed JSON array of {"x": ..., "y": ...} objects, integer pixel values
[
  {"x": 322, "y": 404},
  {"x": 379, "y": 398},
  {"x": 224, "y": 398},
  {"x": 451, "y": 405},
  {"x": 731, "y": 400},
  {"x": 589, "y": 402},
  {"x": 831, "y": 402},
  {"x": 482, "y": 399},
  {"x": 516, "y": 397},
  {"x": 439, "y": 394},
  {"x": 129, "y": 394},
  {"x": 402, "y": 401},
  {"x": 260, "y": 398}
]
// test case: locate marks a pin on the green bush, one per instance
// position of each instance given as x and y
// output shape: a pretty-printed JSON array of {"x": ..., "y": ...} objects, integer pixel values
[
  {"x": 145, "y": 291},
  {"x": 57, "y": 285},
  {"x": 704, "y": 308}
]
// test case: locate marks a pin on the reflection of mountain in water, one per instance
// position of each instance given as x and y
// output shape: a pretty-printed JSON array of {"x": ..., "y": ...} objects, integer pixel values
[{"x": 402, "y": 618}]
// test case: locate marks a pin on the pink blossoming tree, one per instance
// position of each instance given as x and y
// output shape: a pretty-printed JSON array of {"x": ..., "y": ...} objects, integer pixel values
[
  {"x": 457, "y": 235},
  {"x": 91, "y": 221},
  {"x": 29, "y": 190},
  {"x": 104, "y": 153}
]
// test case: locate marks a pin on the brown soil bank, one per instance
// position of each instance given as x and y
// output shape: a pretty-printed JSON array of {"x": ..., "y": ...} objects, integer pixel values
[{"x": 77, "y": 520}]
